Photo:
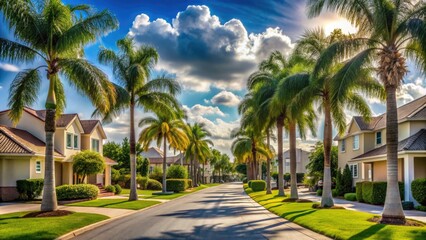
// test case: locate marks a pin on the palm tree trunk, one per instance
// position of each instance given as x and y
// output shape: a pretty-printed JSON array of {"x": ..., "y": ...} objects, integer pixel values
[
  {"x": 196, "y": 168},
  {"x": 253, "y": 153},
  {"x": 133, "y": 187},
  {"x": 248, "y": 170},
  {"x": 292, "y": 136},
  {"x": 280, "y": 123},
  {"x": 49, "y": 202},
  {"x": 268, "y": 166},
  {"x": 191, "y": 173},
  {"x": 392, "y": 212},
  {"x": 204, "y": 181},
  {"x": 164, "y": 164},
  {"x": 327, "y": 198}
]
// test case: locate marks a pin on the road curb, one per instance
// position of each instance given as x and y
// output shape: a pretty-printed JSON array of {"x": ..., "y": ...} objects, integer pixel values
[{"x": 82, "y": 230}]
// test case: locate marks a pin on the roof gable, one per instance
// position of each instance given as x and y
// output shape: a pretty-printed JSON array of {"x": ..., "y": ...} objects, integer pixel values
[{"x": 90, "y": 125}]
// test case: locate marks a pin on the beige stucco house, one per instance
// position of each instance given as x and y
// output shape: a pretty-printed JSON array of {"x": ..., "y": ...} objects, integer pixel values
[
  {"x": 302, "y": 159},
  {"x": 22, "y": 149},
  {"x": 363, "y": 146}
]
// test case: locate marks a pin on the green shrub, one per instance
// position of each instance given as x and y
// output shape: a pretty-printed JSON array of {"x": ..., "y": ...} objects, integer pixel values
[
  {"x": 300, "y": 177},
  {"x": 154, "y": 185},
  {"x": 334, "y": 193},
  {"x": 78, "y": 191},
  {"x": 359, "y": 191},
  {"x": 249, "y": 183},
  {"x": 258, "y": 185},
  {"x": 118, "y": 189},
  {"x": 350, "y": 196},
  {"x": 143, "y": 182},
  {"x": 87, "y": 163},
  {"x": 124, "y": 181},
  {"x": 274, "y": 175},
  {"x": 157, "y": 174},
  {"x": 115, "y": 175},
  {"x": 319, "y": 192},
  {"x": 375, "y": 192},
  {"x": 287, "y": 177},
  {"x": 144, "y": 167},
  {"x": 189, "y": 183},
  {"x": 110, "y": 188},
  {"x": 244, "y": 179},
  {"x": 421, "y": 208},
  {"x": 406, "y": 205},
  {"x": 176, "y": 185},
  {"x": 339, "y": 188},
  {"x": 177, "y": 172},
  {"x": 346, "y": 181},
  {"x": 418, "y": 189},
  {"x": 29, "y": 189}
]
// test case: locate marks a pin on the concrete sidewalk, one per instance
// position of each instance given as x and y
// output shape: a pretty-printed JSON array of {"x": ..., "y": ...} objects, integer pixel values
[{"x": 362, "y": 207}]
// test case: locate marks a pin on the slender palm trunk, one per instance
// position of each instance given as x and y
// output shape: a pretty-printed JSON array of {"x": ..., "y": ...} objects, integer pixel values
[
  {"x": 392, "y": 212},
  {"x": 196, "y": 171},
  {"x": 248, "y": 170},
  {"x": 204, "y": 176},
  {"x": 268, "y": 167},
  {"x": 327, "y": 198},
  {"x": 292, "y": 136},
  {"x": 164, "y": 164},
  {"x": 133, "y": 187},
  {"x": 191, "y": 171},
  {"x": 253, "y": 154},
  {"x": 280, "y": 123}
]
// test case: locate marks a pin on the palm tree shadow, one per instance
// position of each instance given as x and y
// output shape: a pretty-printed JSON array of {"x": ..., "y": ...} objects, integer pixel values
[{"x": 371, "y": 231}]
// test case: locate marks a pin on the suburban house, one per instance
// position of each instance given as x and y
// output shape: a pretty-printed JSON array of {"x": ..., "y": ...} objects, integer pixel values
[
  {"x": 363, "y": 146},
  {"x": 22, "y": 149},
  {"x": 302, "y": 159}
]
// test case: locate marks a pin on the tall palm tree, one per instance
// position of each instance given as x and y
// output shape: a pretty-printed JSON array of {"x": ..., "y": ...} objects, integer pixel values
[
  {"x": 214, "y": 159},
  {"x": 55, "y": 34},
  {"x": 321, "y": 90},
  {"x": 163, "y": 129},
  {"x": 390, "y": 31},
  {"x": 198, "y": 148},
  {"x": 132, "y": 68}
]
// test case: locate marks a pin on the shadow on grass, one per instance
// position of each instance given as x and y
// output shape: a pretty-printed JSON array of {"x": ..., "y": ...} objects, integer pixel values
[{"x": 370, "y": 232}]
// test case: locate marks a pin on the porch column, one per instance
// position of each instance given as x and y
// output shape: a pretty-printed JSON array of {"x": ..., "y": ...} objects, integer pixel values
[{"x": 408, "y": 177}]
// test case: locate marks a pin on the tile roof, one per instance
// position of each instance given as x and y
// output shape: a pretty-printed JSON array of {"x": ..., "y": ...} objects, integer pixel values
[
  {"x": 363, "y": 125},
  {"x": 88, "y": 125},
  {"x": 62, "y": 121},
  {"x": 155, "y": 156},
  {"x": 416, "y": 142},
  {"x": 17, "y": 141}
]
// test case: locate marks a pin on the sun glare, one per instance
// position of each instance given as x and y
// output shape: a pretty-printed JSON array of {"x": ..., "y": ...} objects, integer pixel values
[{"x": 341, "y": 23}]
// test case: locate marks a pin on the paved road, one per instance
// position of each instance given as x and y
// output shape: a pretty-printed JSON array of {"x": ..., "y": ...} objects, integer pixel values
[{"x": 223, "y": 212}]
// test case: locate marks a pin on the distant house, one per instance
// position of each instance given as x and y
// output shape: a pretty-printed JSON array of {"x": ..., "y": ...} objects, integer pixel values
[
  {"x": 22, "y": 149},
  {"x": 302, "y": 159},
  {"x": 363, "y": 146}
]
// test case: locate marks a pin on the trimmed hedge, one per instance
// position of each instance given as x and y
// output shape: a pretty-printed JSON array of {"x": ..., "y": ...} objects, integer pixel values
[
  {"x": 375, "y": 192},
  {"x": 154, "y": 185},
  {"x": 143, "y": 182},
  {"x": 29, "y": 189},
  {"x": 319, "y": 192},
  {"x": 189, "y": 183},
  {"x": 118, "y": 189},
  {"x": 176, "y": 185},
  {"x": 249, "y": 183},
  {"x": 350, "y": 196},
  {"x": 177, "y": 172},
  {"x": 418, "y": 189},
  {"x": 110, "y": 188},
  {"x": 79, "y": 191},
  {"x": 358, "y": 190},
  {"x": 258, "y": 185}
]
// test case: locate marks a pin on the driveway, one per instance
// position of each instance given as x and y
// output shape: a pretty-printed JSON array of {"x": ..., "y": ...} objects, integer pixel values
[{"x": 223, "y": 212}]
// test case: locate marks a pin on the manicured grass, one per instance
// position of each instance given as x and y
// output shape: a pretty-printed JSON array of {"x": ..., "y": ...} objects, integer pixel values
[
  {"x": 126, "y": 191},
  {"x": 115, "y": 203},
  {"x": 12, "y": 226},
  {"x": 335, "y": 223}
]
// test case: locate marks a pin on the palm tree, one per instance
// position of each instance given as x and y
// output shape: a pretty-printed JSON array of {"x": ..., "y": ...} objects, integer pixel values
[
  {"x": 163, "y": 129},
  {"x": 322, "y": 90},
  {"x": 389, "y": 32},
  {"x": 55, "y": 34},
  {"x": 132, "y": 70},
  {"x": 198, "y": 148},
  {"x": 214, "y": 159}
]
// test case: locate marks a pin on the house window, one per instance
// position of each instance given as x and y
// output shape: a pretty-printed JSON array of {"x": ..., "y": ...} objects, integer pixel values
[
  {"x": 95, "y": 145},
  {"x": 354, "y": 170},
  {"x": 356, "y": 142},
  {"x": 287, "y": 162},
  {"x": 38, "y": 167},
  {"x": 378, "y": 138},
  {"x": 69, "y": 140},
  {"x": 75, "y": 141},
  {"x": 343, "y": 145}
]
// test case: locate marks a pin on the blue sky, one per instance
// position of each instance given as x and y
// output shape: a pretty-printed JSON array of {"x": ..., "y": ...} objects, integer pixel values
[{"x": 210, "y": 47}]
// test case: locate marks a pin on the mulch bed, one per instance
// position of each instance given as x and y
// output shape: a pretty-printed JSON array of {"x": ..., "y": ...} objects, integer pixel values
[
  {"x": 58, "y": 213},
  {"x": 299, "y": 200},
  {"x": 408, "y": 222},
  {"x": 318, "y": 206}
]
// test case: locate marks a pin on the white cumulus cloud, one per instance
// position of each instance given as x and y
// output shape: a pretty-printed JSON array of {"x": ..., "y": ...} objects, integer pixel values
[
  {"x": 201, "y": 110},
  {"x": 226, "y": 98},
  {"x": 9, "y": 67}
]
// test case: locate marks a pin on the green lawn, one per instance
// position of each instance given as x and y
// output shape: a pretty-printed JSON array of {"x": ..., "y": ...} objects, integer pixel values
[
  {"x": 12, "y": 226},
  {"x": 116, "y": 203},
  {"x": 148, "y": 193},
  {"x": 335, "y": 223}
]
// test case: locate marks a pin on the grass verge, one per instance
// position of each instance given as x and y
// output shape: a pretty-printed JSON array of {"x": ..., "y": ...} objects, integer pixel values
[
  {"x": 116, "y": 203},
  {"x": 14, "y": 227},
  {"x": 335, "y": 223}
]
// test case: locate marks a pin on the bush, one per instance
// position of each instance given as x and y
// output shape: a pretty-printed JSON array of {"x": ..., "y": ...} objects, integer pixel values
[
  {"x": 177, "y": 172},
  {"x": 87, "y": 163},
  {"x": 110, "y": 188},
  {"x": 334, "y": 193},
  {"x": 346, "y": 181},
  {"x": 154, "y": 185},
  {"x": 421, "y": 208},
  {"x": 375, "y": 192},
  {"x": 29, "y": 189},
  {"x": 418, "y": 189},
  {"x": 144, "y": 167},
  {"x": 319, "y": 192},
  {"x": 274, "y": 175},
  {"x": 79, "y": 191},
  {"x": 157, "y": 174},
  {"x": 339, "y": 188},
  {"x": 350, "y": 196},
  {"x": 407, "y": 205},
  {"x": 359, "y": 192},
  {"x": 115, "y": 175},
  {"x": 244, "y": 180},
  {"x": 287, "y": 177},
  {"x": 124, "y": 181},
  {"x": 300, "y": 177},
  {"x": 143, "y": 182},
  {"x": 249, "y": 183},
  {"x": 118, "y": 189},
  {"x": 258, "y": 185},
  {"x": 176, "y": 185},
  {"x": 189, "y": 183}
]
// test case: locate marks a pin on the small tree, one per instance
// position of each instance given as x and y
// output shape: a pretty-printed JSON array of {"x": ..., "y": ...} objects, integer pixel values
[
  {"x": 347, "y": 180},
  {"x": 339, "y": 187},
  {"x": 87, "y": 163},
  {"x": 177, "y": 172},
  {"x": 145, "y": 167}
]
